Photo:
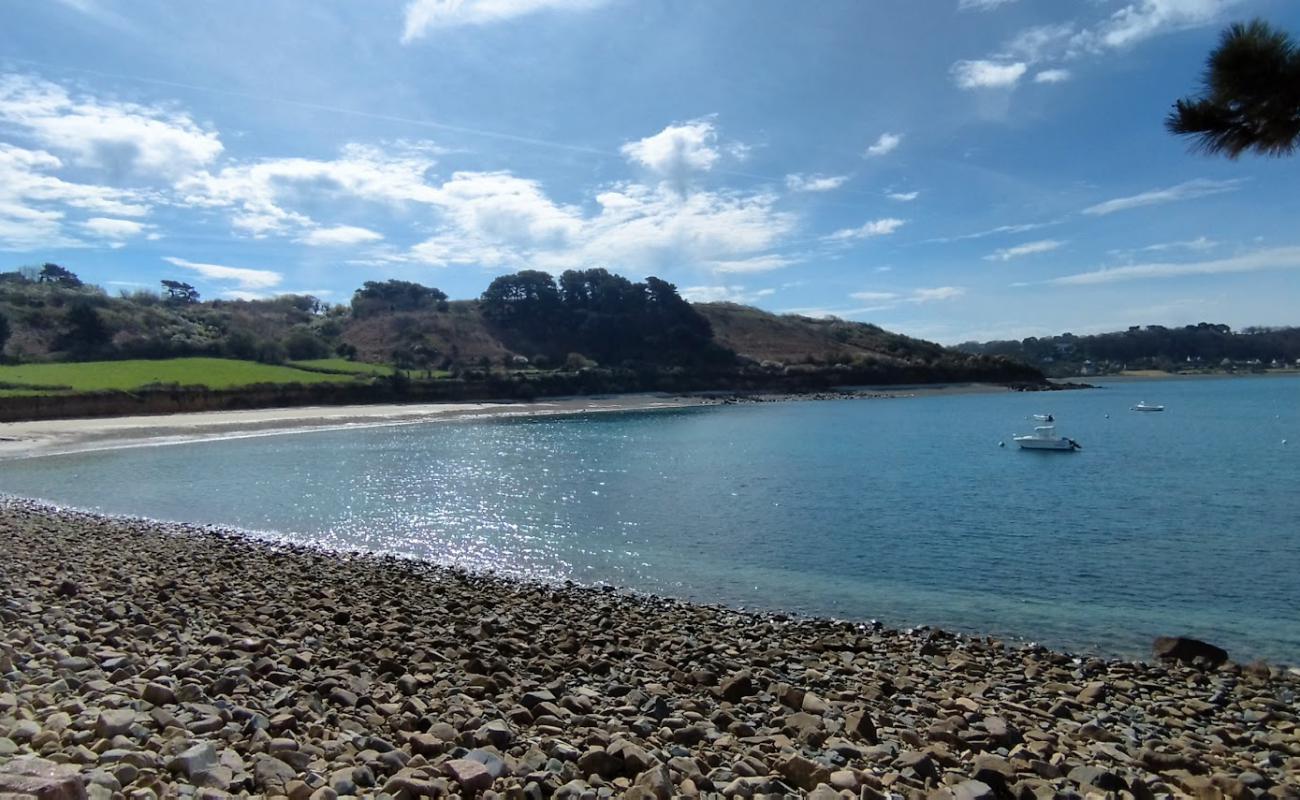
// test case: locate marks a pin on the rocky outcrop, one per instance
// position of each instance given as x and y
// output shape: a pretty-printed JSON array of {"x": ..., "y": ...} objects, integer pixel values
[{"x": 1188, "y": 651}]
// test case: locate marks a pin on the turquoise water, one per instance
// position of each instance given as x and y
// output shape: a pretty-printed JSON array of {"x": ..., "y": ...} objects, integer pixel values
[{"x": 903, "y": 510}]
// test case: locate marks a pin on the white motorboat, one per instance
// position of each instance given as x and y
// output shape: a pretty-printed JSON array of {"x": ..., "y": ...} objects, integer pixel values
[
  {"x": 1045, "y": 437},
  {"x": 1145, "y": 406}
]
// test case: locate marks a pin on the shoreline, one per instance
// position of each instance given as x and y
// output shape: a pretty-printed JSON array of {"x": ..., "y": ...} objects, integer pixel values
[
  {"x": 65, "y": 436},
  {"x": 370, "y": 672},
  {"x": 1185, "y": 376}
]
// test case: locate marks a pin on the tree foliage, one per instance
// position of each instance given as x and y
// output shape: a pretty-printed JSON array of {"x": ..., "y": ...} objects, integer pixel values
[
  {"x": 380, "y": 297},
  {"x": 600, "y": 315},
  {"x": 86, "y": 333},
  {"x": 53, "y": 273},
  {"x": 1250, "y": 100},
  {"x": 179, "y": 292}
]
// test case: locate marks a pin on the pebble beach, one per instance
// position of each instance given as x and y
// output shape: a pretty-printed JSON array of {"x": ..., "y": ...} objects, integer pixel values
[{"x": 149, "y": 660}]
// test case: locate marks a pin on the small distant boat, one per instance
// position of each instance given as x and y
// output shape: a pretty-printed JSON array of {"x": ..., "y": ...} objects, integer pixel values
[
  {"x": 1045, "y": 437},
  {"x": 1145, "y": 406}
]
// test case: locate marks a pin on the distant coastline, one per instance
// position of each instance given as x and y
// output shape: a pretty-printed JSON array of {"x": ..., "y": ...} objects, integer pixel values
[{"x": 1156, "y": 375}]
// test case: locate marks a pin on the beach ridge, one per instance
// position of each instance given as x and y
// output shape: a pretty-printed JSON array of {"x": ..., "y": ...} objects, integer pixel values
[{"x": 155, "y": 659}]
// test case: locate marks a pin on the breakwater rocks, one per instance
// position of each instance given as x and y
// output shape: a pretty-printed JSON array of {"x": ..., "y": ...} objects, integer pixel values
[{"x": 144, "y": 660}]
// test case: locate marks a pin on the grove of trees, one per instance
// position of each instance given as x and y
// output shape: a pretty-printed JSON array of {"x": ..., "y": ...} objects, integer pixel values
[
  {"x": 1201, "y": 346},
  {"x": 600, "y": 315}
]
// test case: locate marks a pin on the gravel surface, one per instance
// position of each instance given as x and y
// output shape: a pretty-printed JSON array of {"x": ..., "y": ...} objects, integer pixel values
[{"x": 140, "y": 659}]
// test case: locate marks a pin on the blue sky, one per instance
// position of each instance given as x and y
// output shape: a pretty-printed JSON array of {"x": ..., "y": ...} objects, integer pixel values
[{"x": 951, "y": 169}]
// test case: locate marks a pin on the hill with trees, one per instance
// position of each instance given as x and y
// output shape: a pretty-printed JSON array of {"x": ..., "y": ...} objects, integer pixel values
[
  {"x": 1200, "y": 348},
  {"x": 588, "y": 330}
]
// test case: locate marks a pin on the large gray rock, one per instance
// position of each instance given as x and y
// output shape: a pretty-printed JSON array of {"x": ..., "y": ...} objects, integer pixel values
[
  {"x": 272, "y": 774},
  {"x": 471, "y": 775},
  {"x": 600, "y": 762},
  {"x": 116, "y": 722},
  {"x": 158, "y": 695},
  {"x": 803, "y": 772},
  {"x": 40, "y": 779},
  {"x": 737, "y": 687},
  {"x": 496, "y": 733},
  {"x": 860, "y": 726},
  {"x": 657, "y": 781},
  {"x": 973, "y": 790},
  {"x": 1101, "y": 778},
  {"x": 198, "y": 758},
  {"x": 1188, "y": 651}
]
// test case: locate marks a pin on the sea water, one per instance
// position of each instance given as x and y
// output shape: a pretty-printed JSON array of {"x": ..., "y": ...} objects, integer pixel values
[{"x": 906, "y": 510}]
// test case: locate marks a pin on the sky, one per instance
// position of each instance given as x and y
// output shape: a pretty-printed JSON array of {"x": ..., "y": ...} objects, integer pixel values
[{"x": 950, "y": 169}]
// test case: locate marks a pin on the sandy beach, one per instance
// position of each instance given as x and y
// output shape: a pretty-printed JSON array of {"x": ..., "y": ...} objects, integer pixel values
[
  {"x": 146, "y": 660},
  {"x": 52, "y": 437}
]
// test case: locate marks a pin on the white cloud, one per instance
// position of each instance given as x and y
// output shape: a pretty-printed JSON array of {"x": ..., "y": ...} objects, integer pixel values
[
  {"x": 498, "y": 206},
  {"x": 765, "y": 263},
  {"x": 97, "y": 12},
  {"x": 497, "y": 219},
  {"x": 797, "y": 182},
  {"x": 886, "y": 144},
  {"x": 1037, "y": 43},
  {"x": 676, "y": 150},
  {"x": 510, "y": 222},
  {"x": 1052, "y": 76},
  {"x": 258, "y": 194},
  {"x": 35, "y": 204},
  {"x": 1276, "y": 258},
  {"x": 1199, "y": 243},
  {"x": 1145, "y": 19},
  {"x": 1001, "y": 229},
  {"x": 117, "y": 137},
  {"x": 939, "y": 293},
  {"x": 878, "y": 227},
  {"x": 903, "y": 197},
  {"x": 23, "y": 178},
  {"x": 1026, "y": 249},
  {"x": 981, "y": 5},
  {"x": 114, "y": 231},
  {"x": 739, "y": 150},
  {"x": 983, "y": 74},
  {"x": 885, "y": 301},
  {"x": 723, "y": 294},
  {"x": 1135, "y": 22},
  {"x": 23, "y": 228},
  {"x": 652, "y": 226},
  {"x": 340, "y": 235},
  {"x": 1184, "y": 191},
  {"x": 423, "y": 16},
  {"x": 248, "y": 280},
  {"x": 116, "y": 228}
]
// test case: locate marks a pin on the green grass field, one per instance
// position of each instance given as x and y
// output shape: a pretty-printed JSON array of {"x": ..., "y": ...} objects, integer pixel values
[
  {"x": 92, "y": 376},
  {"x": 342, "y": 365}
]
